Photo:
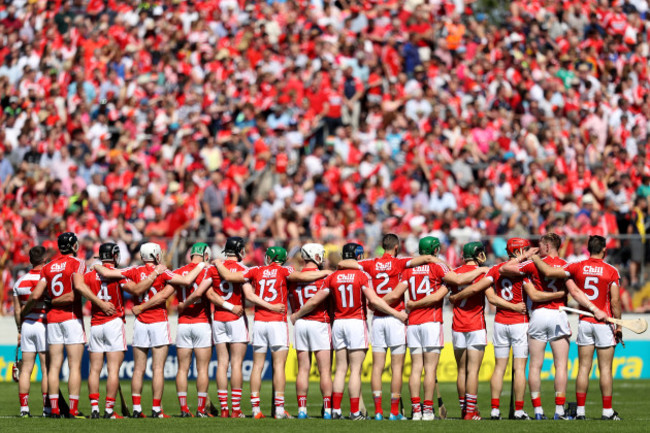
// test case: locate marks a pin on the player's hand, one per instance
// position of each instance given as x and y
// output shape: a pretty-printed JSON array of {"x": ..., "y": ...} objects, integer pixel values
[
  {"x": 161, "y": 268},
  {"x": 137, "y": 310},
  {"x": 484, "y": 269},
  {"x": 217, "y": 262},
  {"x": 181, "y": 307},
  {"x": 618, "y": 334},
  {"x": 409, "y": 305},
  {"x": 108, "y": 308},
  {"x": 402, "y": 316},
  {"x": 600, "y": 315},
  {"x": 293, "y": 318},
  {"x": 520, "y": 308},
  {"x": 278, "y": 308},
  {"x": 452, "y": 299},
  {"x": 238, "y": 310},
  {"x": 531, "y": 252}
]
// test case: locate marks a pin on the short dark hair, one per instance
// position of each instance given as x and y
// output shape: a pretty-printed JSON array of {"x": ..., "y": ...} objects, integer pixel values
[
  {"x": 389, "y": 241},
  {"x": 553, "y": 239},
  {"x": 596, "y": 244},
  {"x": 37, "y": 255}
]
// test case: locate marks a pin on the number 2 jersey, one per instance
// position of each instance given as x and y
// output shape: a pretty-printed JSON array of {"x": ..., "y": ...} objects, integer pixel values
[
  {"x": 545, "y": 284},
  {"x": 346, "y": 290},
  {"x": 385, "y": 276},
  {"x": 58, "y": 277},
  {"x": 421, "y": 282},
  {"x": 509, "y": 289},
  {"x": 199, "y": 311},
  {"x": 270, "y": 284},
  {"x": 594, "y": 277},
  {"x": 300, "y": 293},
  {"x": 108, "y": 290},
  {"x": 230, "y": 292},
  {"x": 138, "y": 273},
  {"x": 469, "y": 314}
]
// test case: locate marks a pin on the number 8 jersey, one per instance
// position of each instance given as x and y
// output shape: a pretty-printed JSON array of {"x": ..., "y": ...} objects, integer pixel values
[
  {"x": 509, "y": 289},
  {"x": 270, "y": 284}
]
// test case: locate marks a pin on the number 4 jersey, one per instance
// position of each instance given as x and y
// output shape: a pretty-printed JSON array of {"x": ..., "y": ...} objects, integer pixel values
[
  {"x": 270, "y": 284},
  {"x": 594, "y": 277},
  {"x": 108, "y": 291},
  {"x": 509, "y": 289},
  {"x": 422, "y": 281}
]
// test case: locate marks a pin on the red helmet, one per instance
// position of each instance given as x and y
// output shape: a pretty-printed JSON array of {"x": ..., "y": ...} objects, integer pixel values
[{"x": 515, "y": 244}]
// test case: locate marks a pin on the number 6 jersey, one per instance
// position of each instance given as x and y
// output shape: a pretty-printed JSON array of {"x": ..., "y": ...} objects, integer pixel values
[
  {"x": 58, "y": 276},
  {"x": 509, "y": 289},
  {"x": 270, "y": 284}
]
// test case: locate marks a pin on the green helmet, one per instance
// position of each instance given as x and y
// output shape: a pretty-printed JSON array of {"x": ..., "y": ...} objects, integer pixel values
[
  {"x": 429, "y": 246},
  {"x": 200, "y": 249},
  {"x": 473, "y": 250},
  {"x": 275, "y": 254}
]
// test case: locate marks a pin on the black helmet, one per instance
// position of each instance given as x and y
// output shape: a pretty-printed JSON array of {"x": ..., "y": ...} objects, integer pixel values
[
  {"x": 68, "y": 243},
  {"x": 109, "y": 252},
  {"x": 235, "y": 246},
  {"x": 352, "y": 251}
]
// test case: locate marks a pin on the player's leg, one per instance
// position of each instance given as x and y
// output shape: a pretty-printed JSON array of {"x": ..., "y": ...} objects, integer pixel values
[
  {"x": 461, "y": 356},
  {"x": 378, "y": 364},
  {"x": 397, "y": 354},
  {"x": 202, "y": 355},
  {"x": 354, "y": 386},
  {"x": 256, "y": 379},
  {"x": 24, "y": 381},
  {"x": 474, "y": 360},
  {"x": 113, "y": 363},
  {"x": 585, "y": 359},
  {"x": 536, "y": 348},
  {"x": 431, "y": 358},
  {"x": 223, "y": 357},
  {"x": 75, "y": 353},
  {"x": 605, "y": 358},
  {"x": 279, "y": 358},
  {"x": 520, "y": 385},
  {"x": 237, "y": 353},
  {"x": 42, "y": 356},
  {"x": 139, "y": 365},
  {"x": 338, "y": 386},
  {"x": 184, "y": 359},
  {"x": 560, "y": 348},
  {"x": 417, "y": 365},
  {"x": 55, "y": 352},
  {"x": 302, "y": 381},
  {"x": 496, "y": 382},
  {"x": 324, "y": 361},
  {"x": 159, "y": 355},
  {"x": 96, "y": 364}
]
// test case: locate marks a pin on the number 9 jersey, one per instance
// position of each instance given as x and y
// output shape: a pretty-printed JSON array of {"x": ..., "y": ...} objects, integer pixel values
[
  {"x": 509, "y": 289},
  {"x": 270, "y": 284},
  {"x": 230, "y": 292}
]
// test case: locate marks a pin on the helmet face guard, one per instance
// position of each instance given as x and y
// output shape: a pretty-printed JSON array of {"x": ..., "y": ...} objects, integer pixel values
[
  {"x": 201, "y": 249},
  {"x": 275, "y": 255},
  {"x": 474, "y": 251}
]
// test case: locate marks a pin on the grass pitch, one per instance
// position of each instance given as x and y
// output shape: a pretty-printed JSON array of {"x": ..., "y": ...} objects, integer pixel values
[{"x": 630, "y": 400}]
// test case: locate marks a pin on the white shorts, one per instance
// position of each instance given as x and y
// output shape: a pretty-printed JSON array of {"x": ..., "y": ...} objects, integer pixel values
[
  {"x": 108, "y": 337},
  {"x": 473, "y": 340},
  {"x": 148, "y": 335},
  {"x": 351, "y": 334},
  {"x": 235, "y": 331},
  {"x": 506, "y": 336},
  {"x": 33, "y": 337},
  {"x": 68, "y": 332},
  {"x": 595, "y": 334},
  {"x": 270, "y": 334},
  {"x": 311, "y": 335},
  {"x": 388, "y": 332},
  {"x": 425, "y": 337},
  {"x": 193, "y": 335},
  {"x": 548, "y": 325}
]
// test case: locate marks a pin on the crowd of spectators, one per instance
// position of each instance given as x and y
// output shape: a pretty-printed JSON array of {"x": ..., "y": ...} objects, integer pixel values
[{"x": 282, "y": 121}]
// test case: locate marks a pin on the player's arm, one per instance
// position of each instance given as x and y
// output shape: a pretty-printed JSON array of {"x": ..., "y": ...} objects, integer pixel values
[
  {"x": 217, "y": 300},
  {"x": 539, "y": 296},
  {"x": 251, "y": 296},
  {"x": 80, "y": 286},
  {"x": 581, "y": 298},
  {"x": 501, "y": 303},
  {"x": 547, "y": 270},
  {"x": 233, "y": 277},
  {"x": 310, "y": 305},
  {"x": 186, "y": 280},
  {"x": 396, "y": 295},
  {"x": 108, "y": 273},
  {"x": 307, "y": 276},
  {"x": 511, "y": 269},
  {"x": 380, "y": 305},
  {"x": 423, "y": 260},
  {"x": 157, "y": 299},
  {"x": 472, "y": 290},
  {"x": 36, "y": 294},
  {"x": 143, "y": 286},
  {"x": 17, "y": 310},
  {"x": 65, "y": 299},
  {"x": 429, "y": 300},
  {"x": 349, "y": 264},
  {"x": 452, "y": 277},
  {"x": 196, "y": 294}
]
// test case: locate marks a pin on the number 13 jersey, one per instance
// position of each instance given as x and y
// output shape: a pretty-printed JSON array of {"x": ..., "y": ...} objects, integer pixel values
[{"x": 270, "y": 284}]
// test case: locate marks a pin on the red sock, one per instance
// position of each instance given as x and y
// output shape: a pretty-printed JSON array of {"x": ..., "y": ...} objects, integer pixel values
[
  {"x": 376, "y": 396},
  {"x": 110, "y": 404},
  {"x": 581, "y": 398},
  {"x": 182, "y": 401},
  {"x": 428, "y": 404},
  {"x": 558, "y": 401},
  {"x": 24, "y": 400},
  {"x": 337, "y": 398},
  {"x": 235, "y": 394},
  {"x": 223, "y": 398},
  {"x": 607, "y": 402},
  {"x": 394, "y": 405},
  {"x": 537, "y": 401},
  {"x": 201, "y": 401},
  {"x": 354, "y": 405},
  {"x": 302, "y": 401},
  {"x": 327, "y": 402},
  {"x": 94, "y": 401},
  {"x": 495, "y": 403},
  {"x": 415, "y": 402},
  {"x": 156, "y": 405},
  {"x": 74, "y": 404},
  {"x": 136, "y": 400},
  {"x": 519, "y": 405},
  {"x": 54, "y": 403}
]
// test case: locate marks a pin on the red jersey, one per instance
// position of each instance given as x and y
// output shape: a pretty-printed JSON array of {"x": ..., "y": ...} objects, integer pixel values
[
  {"x": 300, "y": 293},
  {"x": 469, "y": 314},
  {"x": 108, "y": 291},
  {"x": 199, "y": 311},
  {"x": 545, "y": 284},
  {"x": 385, "y": 276},
  {"x": 58, "y": 276},
  {"x": 594, "y": 277},
  {"x": 347, "y": 289},
  {"x": 23, "y": 288},
  {"x": 231, "y": 292},
  {"x": 270, "y": 284},
  {"x": 139, "y": 273},
  {"x": 423, "y": 281},
  {"x": 509, "y": 289}
]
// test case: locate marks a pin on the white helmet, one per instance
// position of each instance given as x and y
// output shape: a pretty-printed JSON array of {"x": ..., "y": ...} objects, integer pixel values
[
  {"x": 151, "y": 252},
  {"x": 313, "y": 252}
]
